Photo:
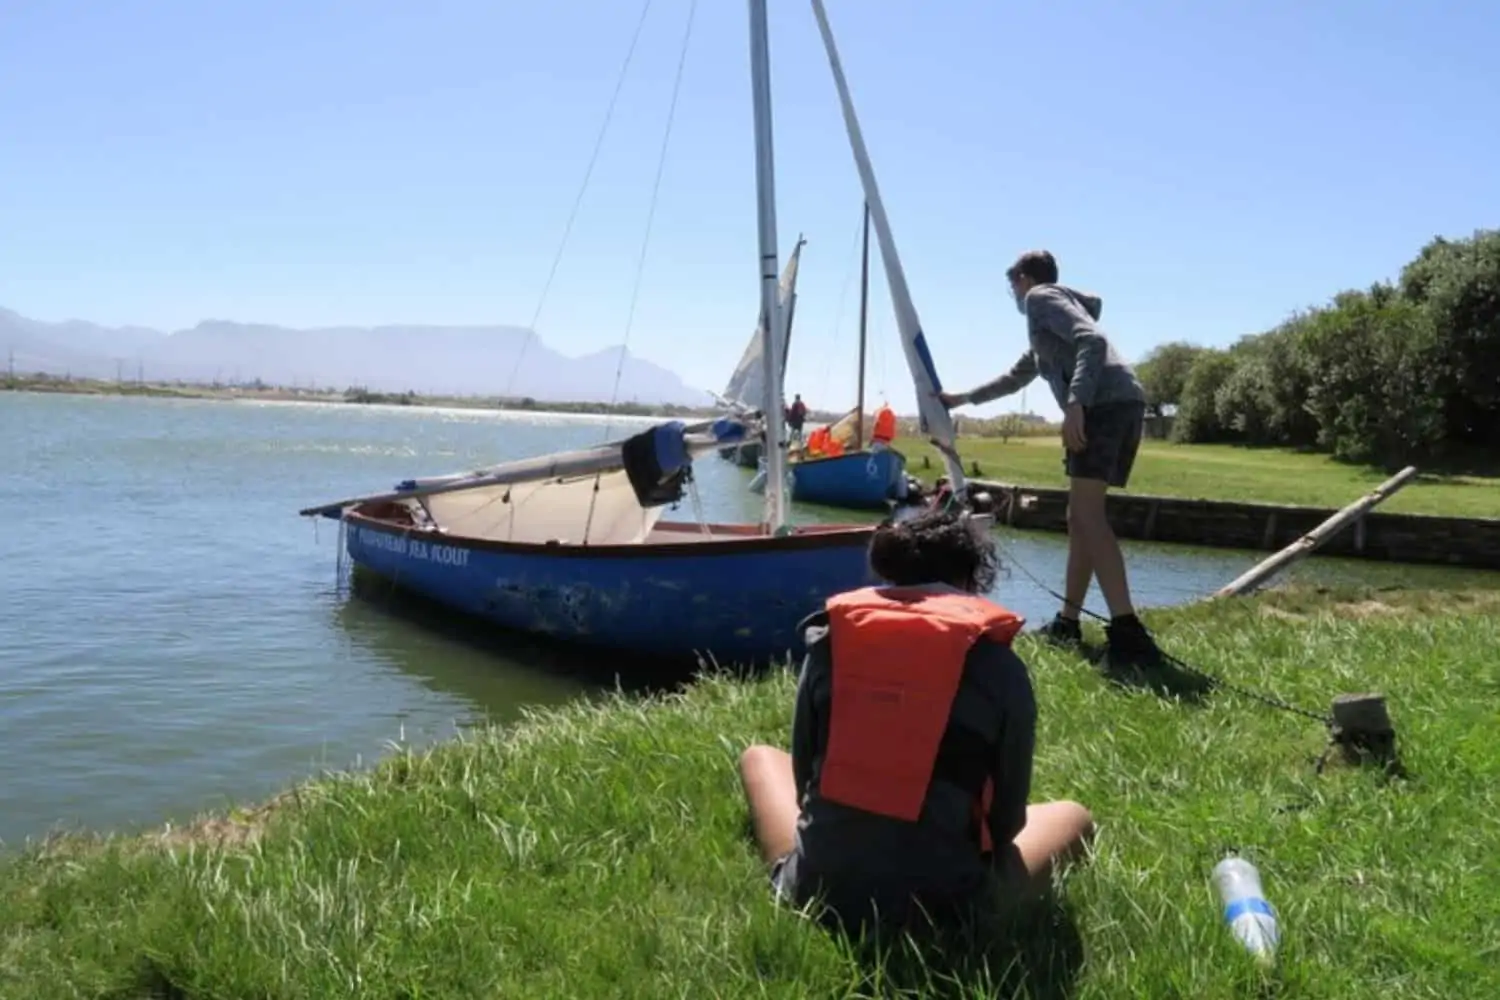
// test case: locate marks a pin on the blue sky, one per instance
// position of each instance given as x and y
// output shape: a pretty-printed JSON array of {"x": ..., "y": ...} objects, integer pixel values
[{"x": 1206, "y": 168}]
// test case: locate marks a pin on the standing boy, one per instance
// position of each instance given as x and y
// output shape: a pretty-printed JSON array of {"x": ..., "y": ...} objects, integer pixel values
[{"x": 1104, "y": 409}]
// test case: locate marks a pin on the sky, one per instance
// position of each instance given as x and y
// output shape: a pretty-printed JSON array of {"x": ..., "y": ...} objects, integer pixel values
[{"x": 1206, "y": 168}]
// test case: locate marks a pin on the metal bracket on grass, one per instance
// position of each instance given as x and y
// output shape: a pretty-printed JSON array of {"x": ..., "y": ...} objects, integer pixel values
[{"x": 1361, "y": 729}]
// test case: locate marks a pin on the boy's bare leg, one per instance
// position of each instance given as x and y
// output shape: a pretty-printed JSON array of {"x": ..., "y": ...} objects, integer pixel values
[
  {"x": 1080, "y": 572},
  {"x": 1088, "y": 517}
]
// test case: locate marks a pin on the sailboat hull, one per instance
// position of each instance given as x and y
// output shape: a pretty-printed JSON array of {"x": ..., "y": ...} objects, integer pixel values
[
  {"x": 860, "y": 480},
  {"x": 734, "y": 595}
]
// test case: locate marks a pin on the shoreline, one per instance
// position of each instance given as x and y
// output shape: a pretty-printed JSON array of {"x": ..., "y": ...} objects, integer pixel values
[
  {"x": 391, "y": 400},
  {"x": 1404, "y": 539},
  {"x": 599, "y": 848},
  {"x": 997, "y": 428}
]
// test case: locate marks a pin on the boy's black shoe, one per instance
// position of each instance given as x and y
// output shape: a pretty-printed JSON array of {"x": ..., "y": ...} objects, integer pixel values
[
  {"x": 1060, "y": 631},
  {"x": 1130, "y": 645}
]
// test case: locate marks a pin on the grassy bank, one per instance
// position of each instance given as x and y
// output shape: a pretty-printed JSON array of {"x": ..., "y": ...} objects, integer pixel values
[
  {"x": 601, "y": 851},
  {"x": 1224, "y": 472}
]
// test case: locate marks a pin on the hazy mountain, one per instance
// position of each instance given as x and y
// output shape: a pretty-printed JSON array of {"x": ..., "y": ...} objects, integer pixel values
[{"x": 452, "y": 360}]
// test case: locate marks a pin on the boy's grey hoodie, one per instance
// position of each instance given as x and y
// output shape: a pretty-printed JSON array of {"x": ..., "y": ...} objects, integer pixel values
[{"x": 1069, "y": 351}]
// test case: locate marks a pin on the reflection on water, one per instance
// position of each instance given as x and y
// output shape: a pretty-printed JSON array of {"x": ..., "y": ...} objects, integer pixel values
[{"x": 496, "y": 672}]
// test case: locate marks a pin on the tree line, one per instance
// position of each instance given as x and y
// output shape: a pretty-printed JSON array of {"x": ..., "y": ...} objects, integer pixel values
[{"x": 1403, "y": 371}]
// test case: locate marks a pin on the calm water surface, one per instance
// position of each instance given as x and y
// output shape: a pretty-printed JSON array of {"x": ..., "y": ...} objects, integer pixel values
[{"x": 171, "y": 635}]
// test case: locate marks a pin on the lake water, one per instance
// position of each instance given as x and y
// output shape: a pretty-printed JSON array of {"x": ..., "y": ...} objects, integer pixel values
[{"x": 172, "y": 638}]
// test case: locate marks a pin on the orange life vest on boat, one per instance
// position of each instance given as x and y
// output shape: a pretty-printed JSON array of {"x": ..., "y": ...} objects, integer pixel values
[
  {"x": 885, "y": 425},
  {"x": 898, "y": 658}
]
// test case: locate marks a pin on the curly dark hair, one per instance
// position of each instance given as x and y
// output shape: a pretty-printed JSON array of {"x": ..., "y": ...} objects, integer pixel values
[{"x": 935, "y": 547}]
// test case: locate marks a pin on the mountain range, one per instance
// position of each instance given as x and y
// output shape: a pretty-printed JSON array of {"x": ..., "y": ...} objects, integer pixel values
[{"x": 431, "y": 360}]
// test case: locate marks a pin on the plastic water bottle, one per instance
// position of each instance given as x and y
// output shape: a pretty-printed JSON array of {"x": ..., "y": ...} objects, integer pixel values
[{"x": 1250, "y": 918}]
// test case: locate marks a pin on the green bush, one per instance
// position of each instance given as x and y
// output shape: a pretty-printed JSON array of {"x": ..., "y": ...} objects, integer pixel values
[
  {"x": 1164, "y": 371},
  {"x": 1197, "y": 414},
  {"x": 1458, "y": 285},
  {"x": 1373, "y": 396},
  {"x": 1382, "y": 376}
]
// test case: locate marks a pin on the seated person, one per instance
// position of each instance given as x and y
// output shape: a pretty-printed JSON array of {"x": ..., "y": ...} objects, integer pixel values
[{"x": 912, "y": 741}]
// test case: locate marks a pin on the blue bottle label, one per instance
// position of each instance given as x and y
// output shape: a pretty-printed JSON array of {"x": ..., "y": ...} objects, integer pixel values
[{"x": 1253, "y": 904}]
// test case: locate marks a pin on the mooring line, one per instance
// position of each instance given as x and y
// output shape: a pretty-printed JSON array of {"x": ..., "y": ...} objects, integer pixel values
[{"x": 1270, "y": 701}]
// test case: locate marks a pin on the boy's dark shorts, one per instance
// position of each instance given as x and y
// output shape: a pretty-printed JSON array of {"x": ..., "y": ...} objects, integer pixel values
[{"x": 1112, "y": 437}]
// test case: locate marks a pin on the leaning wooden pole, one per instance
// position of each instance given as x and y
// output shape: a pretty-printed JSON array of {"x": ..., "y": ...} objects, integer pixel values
[{"x": 1314, "y": 539}]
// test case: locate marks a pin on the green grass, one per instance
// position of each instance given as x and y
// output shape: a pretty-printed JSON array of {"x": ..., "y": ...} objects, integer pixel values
[
  {"x": 1222, "y": 472},
  {"x": 601, "y": 850}
]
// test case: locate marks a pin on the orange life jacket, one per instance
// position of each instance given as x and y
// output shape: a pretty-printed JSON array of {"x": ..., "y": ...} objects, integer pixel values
[
  {"x": 817, "y": 441},
  {"x": 885, "y": 425},
  {"x": 898, "y": 658}
]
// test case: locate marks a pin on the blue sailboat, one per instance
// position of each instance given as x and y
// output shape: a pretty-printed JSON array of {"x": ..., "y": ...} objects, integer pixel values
[
  {"x": 865, "y": 477},
  {"x": 857, "y": 480},
  {"x": 573, "y": 545}
]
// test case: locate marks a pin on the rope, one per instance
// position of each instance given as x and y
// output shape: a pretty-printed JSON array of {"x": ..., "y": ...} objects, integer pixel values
[
  {"x": 697, "y": 503},
  {"x": 661, "y": 166},
  {"x": 588, "y": 174},
  {"x": 640, "y": 265},
  {"x": 1270, "y": 701}
]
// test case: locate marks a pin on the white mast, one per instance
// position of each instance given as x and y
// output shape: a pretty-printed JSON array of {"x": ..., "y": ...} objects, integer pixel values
[
  {"x": 774, "y": 316},
  {"x": 935, "y": 419}
]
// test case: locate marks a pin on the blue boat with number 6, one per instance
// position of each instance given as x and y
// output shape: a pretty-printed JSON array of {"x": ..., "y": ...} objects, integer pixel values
[{"x": 859, "y": 480}]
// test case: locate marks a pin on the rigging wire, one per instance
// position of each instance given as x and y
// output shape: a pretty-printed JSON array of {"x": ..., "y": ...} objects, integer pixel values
[
  {"x": 640, "y": 265},
  {"x": 583, "y": 187},
  {"x": 661, "y": 165},
  {"x": 838, "y": 318}
]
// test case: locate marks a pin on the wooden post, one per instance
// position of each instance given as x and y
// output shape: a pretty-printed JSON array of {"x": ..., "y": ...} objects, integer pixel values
[
  {"x": 1315, "y": 538},
  {"x": 1269, "y": 538}
]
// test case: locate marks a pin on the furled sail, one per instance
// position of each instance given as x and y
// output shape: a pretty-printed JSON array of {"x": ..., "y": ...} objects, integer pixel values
[
  {"x": 610, "y": 494},
  {"x": 746, "y": 389}
]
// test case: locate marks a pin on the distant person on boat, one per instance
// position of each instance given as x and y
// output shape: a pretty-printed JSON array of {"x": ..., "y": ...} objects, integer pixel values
[
  {"x": 905, "y": 792},
  {"x": 1104, "y": 410},
  {"x": 796, "y": 416},
  {"x": 885, "y": 428}
]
